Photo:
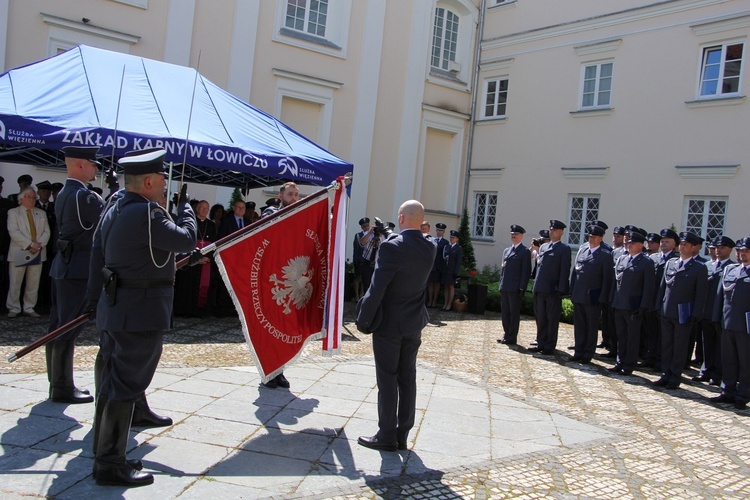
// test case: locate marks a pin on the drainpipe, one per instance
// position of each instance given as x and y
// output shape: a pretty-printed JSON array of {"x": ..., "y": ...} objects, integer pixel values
[{"x": 472, "y": 114}]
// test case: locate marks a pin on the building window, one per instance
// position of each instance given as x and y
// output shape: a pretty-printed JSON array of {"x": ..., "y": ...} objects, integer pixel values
[
  {"x": 597, "y": 85},
  {"x": 485, "y": 209},
  {"x": 705, "y": 216},
  {"x": 720, "y": 70},
  {"x": 496, "y": 97},
  {"x": 444, "y": 39},
  {"x": 308, "y": 16},
  {"x": 583, "y": 209}
]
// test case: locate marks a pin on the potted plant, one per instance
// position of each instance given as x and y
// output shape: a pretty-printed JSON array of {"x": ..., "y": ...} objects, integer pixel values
[
  {"x": 460, "y": 303},
  {"x": 477, "y": 291}
]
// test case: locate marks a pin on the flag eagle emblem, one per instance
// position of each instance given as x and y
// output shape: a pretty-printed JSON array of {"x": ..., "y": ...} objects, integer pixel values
[{"x": 295, "y": 287}]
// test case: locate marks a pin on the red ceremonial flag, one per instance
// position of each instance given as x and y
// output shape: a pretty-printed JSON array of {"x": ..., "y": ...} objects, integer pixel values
[
  {"x": 277, "y": 278},
  {"x": 336, "y": 271}
]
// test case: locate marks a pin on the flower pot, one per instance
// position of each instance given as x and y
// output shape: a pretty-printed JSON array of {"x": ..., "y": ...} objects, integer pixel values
[
  {"x": 477, "y": 298},
  {"x": 460, "y": 307}
]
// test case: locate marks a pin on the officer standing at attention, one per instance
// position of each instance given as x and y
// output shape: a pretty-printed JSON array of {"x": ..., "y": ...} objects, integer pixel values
[
  {"x": 453, "y": 255},
  {"x": 515, "y": 272},
  {"x": 552, "y": 282},
  {"x": 139, "y": 242},
  {"x": 731, "y": 310},
  {"x": 77, "y": 211},
  {"x": 433, "y": 285},
  {"x": 681, "y": 299},
  {"x": 589, "y": 290},
  {"x": 358, "y": 259}
]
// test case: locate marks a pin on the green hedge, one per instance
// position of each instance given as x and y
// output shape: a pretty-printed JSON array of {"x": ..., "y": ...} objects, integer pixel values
[{"x": 527, "y": 305}]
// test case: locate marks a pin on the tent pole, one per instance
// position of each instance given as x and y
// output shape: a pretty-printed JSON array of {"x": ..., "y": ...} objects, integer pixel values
[{"x": 169, "y": 185}]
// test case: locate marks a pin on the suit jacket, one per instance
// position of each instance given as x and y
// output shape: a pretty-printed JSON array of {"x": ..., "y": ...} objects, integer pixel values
[
  {"x": 440, "y": 244},
  {"x": 357, "y": 249},
  {"x": 453, "y": 256},
  {"x": 683, "y": 286},
  {"x": 553, "y": 269},
  {"x": 634, "y": 286},
  {"x": 77, "y": 211},
  {"x": 397, "y": 293},
  {"x": 592, "y": 277},
  {"x": 733, "y": 299},
  {"x": 660, "y": 261},
  {"x": 715, "y": 272},
  {"x": 515, "y": 270},
  {"x": 20, "y": 231},
  {"x": 229, "y": 224},
  {"x": 138, "y": 241}
]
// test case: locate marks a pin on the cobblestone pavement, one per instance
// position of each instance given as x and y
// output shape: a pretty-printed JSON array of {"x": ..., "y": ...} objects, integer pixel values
[{"x": 668, "y": 444}]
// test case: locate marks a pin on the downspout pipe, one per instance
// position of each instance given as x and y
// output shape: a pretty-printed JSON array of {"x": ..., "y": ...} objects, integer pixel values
[{"x": 472, "y": 115}]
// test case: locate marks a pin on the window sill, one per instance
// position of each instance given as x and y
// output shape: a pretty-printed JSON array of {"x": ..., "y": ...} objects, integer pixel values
[
  {"x": 447, "y": 79},
  {"x": 308, "y": 38},
  {"x": 492, "y": 120},
  {"x": 707, "y": 102},
  {"x": 482, "y": 241},
  {"x": 592, "y": 112},
  {"x": 499, "y": 5}
]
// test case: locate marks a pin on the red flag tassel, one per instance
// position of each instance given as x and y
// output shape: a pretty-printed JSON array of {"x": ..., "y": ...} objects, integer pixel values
[{"x": 337, "y": 269}]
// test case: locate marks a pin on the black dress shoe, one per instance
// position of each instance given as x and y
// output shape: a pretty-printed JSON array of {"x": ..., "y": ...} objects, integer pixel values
[
  {"x": 134, "y": 463},
  {"x": 535, "y": 349},
  {"x": 547, "y": 352},
  {"x": 506, "y": 341},
  {"x": 615, "y": 369},
  {"x": 375, "y": 444},
  {"x": 122, "y": 475},
  {"x": 722, "y": 398},
  {"x": 701, "y": 378},
  {"x": 715, "y": 382},
  {"x": 672, "y": 386},
  {"x": 148, "y": 418},
  {"x": 281, "y": 381},
  {"x": 627, "y": 372},
  {"x": 574, "y": 359},
  {"x": 740, "y": 406},
  {"x": 662, "y": 382},
  {"x": 72, "y": 396},
  {"x": 585, "y": 361},
  {"x": 271, "y": 384}
]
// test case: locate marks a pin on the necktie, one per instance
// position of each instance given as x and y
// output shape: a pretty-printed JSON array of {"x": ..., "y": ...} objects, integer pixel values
[
  {"x": 32, "y": 226},
  {"x": 680, "y": 266},
  {"x": 240, "y": 223}
]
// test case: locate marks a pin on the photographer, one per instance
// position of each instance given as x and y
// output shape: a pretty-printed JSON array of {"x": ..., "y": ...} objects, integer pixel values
[{"x": 370, "y": 241}]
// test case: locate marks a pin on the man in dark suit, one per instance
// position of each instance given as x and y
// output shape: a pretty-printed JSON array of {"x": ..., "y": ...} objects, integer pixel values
[
  {"x": 632, "y": 295},
  {"x": 552, "y": 282},
  {"x": 453, "y": 255},
  {"x": 515, "y": 272},
  {"x": 138, "y": 245},
  {"x": 393, "y": 308},
  {"x": 589, "y": 289},
  {"x": 44, "y": 191},
  {"x": 234, "y": 221},
  {"x": 358, "y": 258},
  {"x": 433, "y": 288},
  {"x": 77, "y": 212},
  {"x": 731, "y": 310},
  {"x": 711, "y": 332},
  {"x": 681, "y": 299}
]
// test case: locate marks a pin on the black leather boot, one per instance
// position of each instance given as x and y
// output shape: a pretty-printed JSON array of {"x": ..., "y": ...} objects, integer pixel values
[
  {"x": 144, "y": 417},
  {"x": 62, "y": 389},
  {"x": 101, "y": 402},
  {"x": 110, "y": 465}
]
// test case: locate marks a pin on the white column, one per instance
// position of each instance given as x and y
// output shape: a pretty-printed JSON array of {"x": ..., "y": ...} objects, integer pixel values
[
  {"x": 179, "y": 37},
  {"x": 4, "y": 6},
  {"x": 364, "y": 118},
  {"x": 242, "y": 50}
]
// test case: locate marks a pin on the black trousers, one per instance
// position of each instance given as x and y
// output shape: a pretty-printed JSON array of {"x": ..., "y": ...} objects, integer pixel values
[
  {"x": 586, "y": 329},
  {"x": 396, "y": 372},
  {"x": 653, "y": 339},
  {"x": 67, "y": 304},
  {"x": 130, "y": 361},
  {"x": 735, "y": 356},
  {"x": 510, "y": 309},
  {"x": 628, "y": 328},
  {"x": 711, "y": 350},
  {"x": 547, "y": 307},
  {"x": 674, "y": 347}
]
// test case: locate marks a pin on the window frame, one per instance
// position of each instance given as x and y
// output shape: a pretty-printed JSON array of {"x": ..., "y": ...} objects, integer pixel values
[
  {"x": 486, "y": 225},
  {"x": 705, "y": 232},
  {"x": 335, "y": 41},
  {"x": 702, "y": 66},
  {"x": 585, "y": 216},
  {"x": 459, "y": 72},
  {"x": 498, "y": 80},
  {"x": 443, "y": 63},
  {"x": 306, "y": 18},
  {"x": 597, "y": 86}
]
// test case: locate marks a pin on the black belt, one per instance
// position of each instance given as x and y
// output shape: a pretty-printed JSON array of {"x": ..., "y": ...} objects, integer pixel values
[{"x": 163, "y": 283}]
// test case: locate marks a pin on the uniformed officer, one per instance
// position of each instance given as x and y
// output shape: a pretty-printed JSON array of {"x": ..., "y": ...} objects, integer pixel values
[
  {"x": 515, "y": 272},
  {"x": 139, "y": 241},
  {"x": 590, "y": 282},
  {"x": 653, "y": 241},
  {"x": 358, "y": 258},
  {"x": 711, "y": 335},
  {"x": 433, "y": 283},
  {"x": 681, "y": 299},
  {"x": 453, "y": 255},
  {"x": 552, "y": 282},
  {"x": 77, "y": 211},
  {"x": 609, "y": 332},
  {"x": 732, "y": 310},
  {"x": 632, "y": 296}
]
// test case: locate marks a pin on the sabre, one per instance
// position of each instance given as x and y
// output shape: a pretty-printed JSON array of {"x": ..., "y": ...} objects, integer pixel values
[{"x": 117, "y": 121}]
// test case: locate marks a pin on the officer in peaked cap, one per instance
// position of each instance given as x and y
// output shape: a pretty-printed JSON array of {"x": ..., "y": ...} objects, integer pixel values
[
  {"x": 77, "y": 212},
  {"x": 137, "y": 244},
  {"x": 652, "y": 243},
  {"x": 453, "y": 255},
  {"x": 711, "y": 334},
  {"x": 358, "y": 258},
  {"x": 732, "y": 306},
  {"x": 433, "y": 282},
  {"x": 681, "y": 299},
  {"x": 515, "y": 272}
]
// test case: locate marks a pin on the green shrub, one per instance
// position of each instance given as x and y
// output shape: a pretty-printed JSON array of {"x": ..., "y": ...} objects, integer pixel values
[{"x": 527, "y": 302}]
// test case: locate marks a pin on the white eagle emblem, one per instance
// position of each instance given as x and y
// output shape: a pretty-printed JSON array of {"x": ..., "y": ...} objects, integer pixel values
[{"x": 295, "y": 288}]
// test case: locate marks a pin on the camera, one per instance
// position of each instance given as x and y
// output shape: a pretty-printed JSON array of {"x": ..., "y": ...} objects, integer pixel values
[
  {"x": 381, "y": 228},
  {"x": 537, "y": 242}
]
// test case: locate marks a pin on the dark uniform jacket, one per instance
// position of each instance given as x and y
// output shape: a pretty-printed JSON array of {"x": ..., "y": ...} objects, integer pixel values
[
  {"x": 592, "y": 277},
  {"x": 554, "y": 269},
  {"x": 516, "y": 269},
  {"x": 440, "y": 244},
  {"x": 139, "y": 242},
  {"x": 659, "y": 264},
  {"x": 715, "y": 272},
  {"x": 453, "y": 255},
  {"x": 733, "y": 298},
  {"x": 683, "y": 286},
  {"x": 77, "y": 211},
  {"x": 395, "y": 302},
  {"x": 635, "y": 283}
]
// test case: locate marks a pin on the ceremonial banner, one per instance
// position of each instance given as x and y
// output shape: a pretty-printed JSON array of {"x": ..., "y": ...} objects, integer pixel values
[
  {"x": 277, "y": 277},
  {"x": 337, "y": 266}
]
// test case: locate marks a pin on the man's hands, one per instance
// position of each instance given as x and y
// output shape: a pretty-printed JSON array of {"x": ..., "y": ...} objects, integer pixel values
[
  {"x": 196, "y": 257},
  {"x": 184, "y": 198}
]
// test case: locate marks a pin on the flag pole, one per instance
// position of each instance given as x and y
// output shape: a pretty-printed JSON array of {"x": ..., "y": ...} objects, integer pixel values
[{"x": 83, "y": 318}]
